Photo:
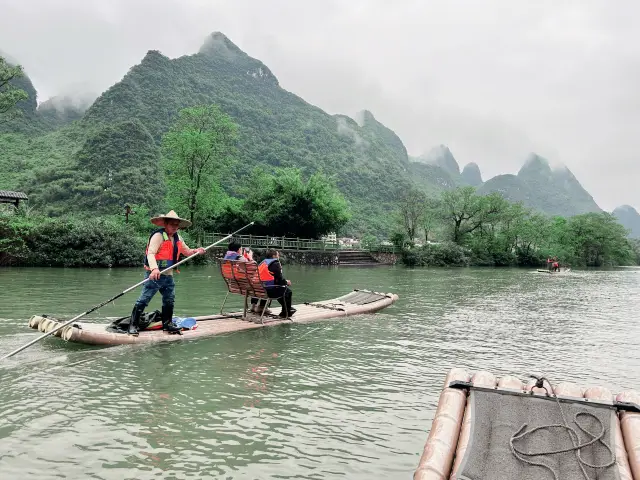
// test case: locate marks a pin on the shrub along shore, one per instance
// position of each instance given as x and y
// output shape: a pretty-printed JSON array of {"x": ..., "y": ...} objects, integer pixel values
[{"x": 488, "y": 230}]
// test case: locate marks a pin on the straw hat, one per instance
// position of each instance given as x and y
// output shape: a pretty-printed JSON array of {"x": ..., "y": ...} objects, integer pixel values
[{"x": 159, "y": 220}]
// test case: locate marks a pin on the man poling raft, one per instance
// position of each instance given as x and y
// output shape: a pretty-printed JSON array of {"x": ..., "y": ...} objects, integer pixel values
[
  {"x": 164, "y": 249},
  {"x": 96, "y": 307}
]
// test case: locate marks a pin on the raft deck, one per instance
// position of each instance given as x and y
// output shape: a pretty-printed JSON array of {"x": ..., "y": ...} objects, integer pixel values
[
  {"x": 489, "y": 428},
  {"x": 354, "y": 303}
]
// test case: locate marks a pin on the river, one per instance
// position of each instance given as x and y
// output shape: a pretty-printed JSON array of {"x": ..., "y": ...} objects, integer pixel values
[{"x": 345, "y": 398}]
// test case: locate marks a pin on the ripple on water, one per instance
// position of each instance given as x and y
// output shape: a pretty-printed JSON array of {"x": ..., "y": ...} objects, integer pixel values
[{"x": 346, "y": 398}]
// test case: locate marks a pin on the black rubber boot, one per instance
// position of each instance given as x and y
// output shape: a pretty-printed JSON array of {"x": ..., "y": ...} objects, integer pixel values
[
  {"x": 135, "y": 320},
  {"x": 167, "y": 316},
  {"x": 283, "y": 313}
]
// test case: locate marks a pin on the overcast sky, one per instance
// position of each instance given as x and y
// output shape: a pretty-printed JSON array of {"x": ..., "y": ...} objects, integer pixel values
[{"x": 491, "y": 79}]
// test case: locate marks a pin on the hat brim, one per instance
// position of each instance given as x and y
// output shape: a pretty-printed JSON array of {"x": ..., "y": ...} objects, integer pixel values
[{"x": 159, "y": 221}]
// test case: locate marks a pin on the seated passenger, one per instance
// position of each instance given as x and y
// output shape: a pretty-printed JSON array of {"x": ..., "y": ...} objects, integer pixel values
[
  {"x": 236, "y": 252},
  {"x": 270, "y": 271}
]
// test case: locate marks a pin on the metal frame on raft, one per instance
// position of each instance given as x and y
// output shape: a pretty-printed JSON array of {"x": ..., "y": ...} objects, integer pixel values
[
  {"x": 615, "y": 404},
  {"x": 451, "y": 428}
]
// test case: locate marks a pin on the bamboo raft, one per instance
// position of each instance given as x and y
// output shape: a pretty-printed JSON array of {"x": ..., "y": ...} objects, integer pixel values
[
  {"x": 354, "y": 303},
  {"x": 458, "y": 433},
  {"x": 551, "y": 272}
]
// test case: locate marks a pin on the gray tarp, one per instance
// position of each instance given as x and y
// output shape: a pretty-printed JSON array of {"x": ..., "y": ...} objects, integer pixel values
[{"x": 497, "y": 417}]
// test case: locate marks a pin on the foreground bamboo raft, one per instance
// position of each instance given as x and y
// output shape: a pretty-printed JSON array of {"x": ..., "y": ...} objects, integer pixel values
[
  {"x": 354, "y": 303},
  {"x": 463, "y": 436}
]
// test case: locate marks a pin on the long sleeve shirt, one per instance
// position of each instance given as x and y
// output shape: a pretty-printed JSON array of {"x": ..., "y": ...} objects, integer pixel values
[{"x": 154, "y": 245}]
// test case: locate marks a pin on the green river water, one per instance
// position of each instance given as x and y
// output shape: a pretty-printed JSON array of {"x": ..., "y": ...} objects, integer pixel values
[{"x": 344, "y": 398}]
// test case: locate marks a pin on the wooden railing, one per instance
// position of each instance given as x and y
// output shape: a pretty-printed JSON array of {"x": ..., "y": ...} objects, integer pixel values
[
  {"x": 287, "y": 243},
  {"x": 283, "y": 243}
]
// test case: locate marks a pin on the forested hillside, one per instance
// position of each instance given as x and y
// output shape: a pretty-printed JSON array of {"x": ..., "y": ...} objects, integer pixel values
[
  {"x": 71, "y": 160},
  {"x": 276, "y": 128}
]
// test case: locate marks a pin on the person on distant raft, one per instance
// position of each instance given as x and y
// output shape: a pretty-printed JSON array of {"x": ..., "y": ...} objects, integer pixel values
[
  {"x": 164, "y": 248},
  {"x": 235, "y": 251},
  {"x": 556, "y": 265},
  {"x": 270, "y": 271}
]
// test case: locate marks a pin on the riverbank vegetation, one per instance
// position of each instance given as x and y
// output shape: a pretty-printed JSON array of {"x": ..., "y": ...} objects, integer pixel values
[
  {"x": 463, "y": 228},
  {"x": 280, "y": 202},
  {"x": 79, "y": 220},
  {"x": 202, "y": 163}
]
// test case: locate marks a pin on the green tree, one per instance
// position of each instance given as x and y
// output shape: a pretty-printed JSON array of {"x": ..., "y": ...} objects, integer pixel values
[
  {"x": 431, "y": 217},
  {"x": 412, "y": 207},
  {"x": 9, "y": 94},
  {"x": 533, "y": 234},
  {"x": 466, "y": 212},
  {"x": 198, "y": 148},
  {"x": 284, "y": 204},
  {"x": 598, "y": 239}
]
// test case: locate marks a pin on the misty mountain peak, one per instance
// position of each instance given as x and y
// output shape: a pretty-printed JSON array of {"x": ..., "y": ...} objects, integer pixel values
[
  {"x": 219, "y": 44},
  {"x": 364, "y": 116},
  {"x": 629, "y": 218},
  {"x": 536, "y": 161},
  {"x": 535, "y": 165},
  {"x": 443, "y": 158},
  {"x": 372, "y": 128},
  {"x": 471, "y": 174},
  {"x": 538, "y": 166},
  {"x": 154, "y": 55},
  {"x": 628, "y": 209}
]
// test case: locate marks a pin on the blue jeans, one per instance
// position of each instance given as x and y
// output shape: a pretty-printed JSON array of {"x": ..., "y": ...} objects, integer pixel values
[{"x": 166, "y": 286}]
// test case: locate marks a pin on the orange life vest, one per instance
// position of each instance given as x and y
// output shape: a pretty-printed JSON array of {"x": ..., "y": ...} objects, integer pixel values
[
  {"x": 266, "y": 276},
  {"x": 228, "y": 270},
  {"x": 168, "y": 253}
]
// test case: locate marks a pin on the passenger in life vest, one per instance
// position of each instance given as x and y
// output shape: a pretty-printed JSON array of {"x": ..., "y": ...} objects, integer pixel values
[
  {"x": 237, "y": 252},
  {"x": 270, "y": 271},
  {"x": 556, "y": 265},
  {"x": 164, "y": 249}
]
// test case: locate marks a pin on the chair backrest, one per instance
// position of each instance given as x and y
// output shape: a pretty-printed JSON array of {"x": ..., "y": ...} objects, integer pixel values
[{"x": 242, "y": 278}]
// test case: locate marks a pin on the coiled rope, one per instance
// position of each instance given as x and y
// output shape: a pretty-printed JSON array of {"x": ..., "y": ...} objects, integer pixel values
[{"x": 573, "y": 435}]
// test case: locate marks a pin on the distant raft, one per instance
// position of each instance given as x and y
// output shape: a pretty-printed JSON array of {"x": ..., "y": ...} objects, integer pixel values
[
  {"x": 354, "y": 303},
  {"x": 556, "y": 272},
  {"x": 501, "y": 429}
]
